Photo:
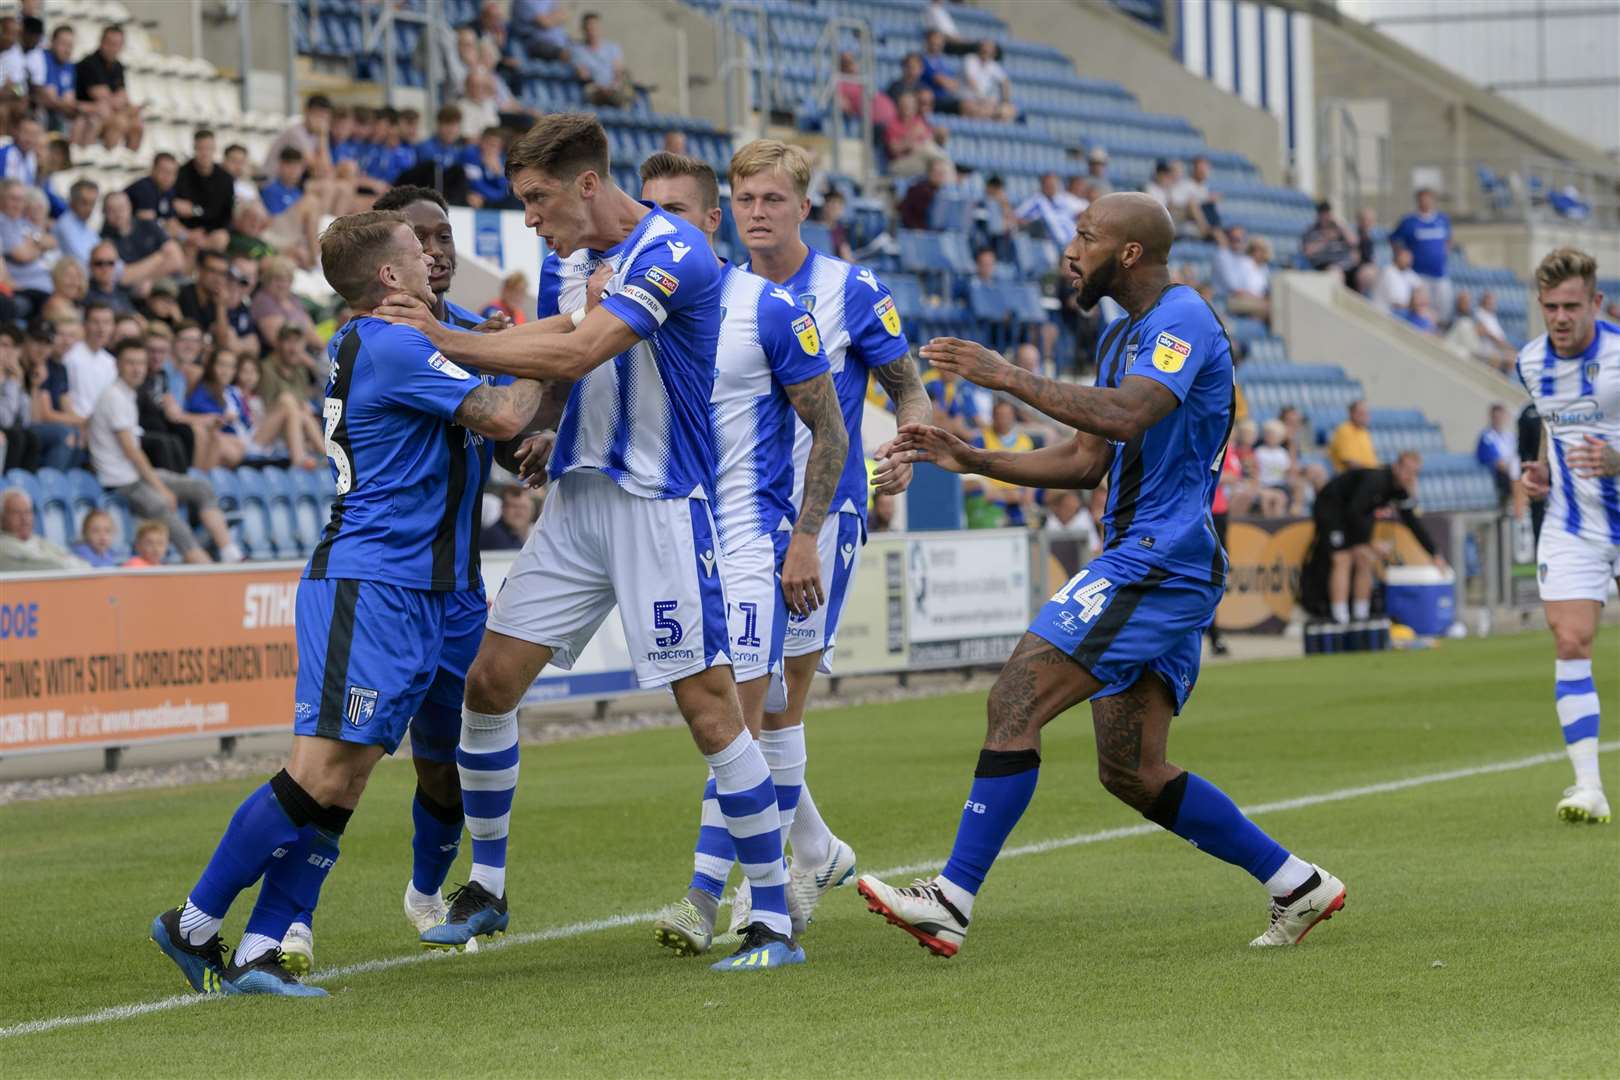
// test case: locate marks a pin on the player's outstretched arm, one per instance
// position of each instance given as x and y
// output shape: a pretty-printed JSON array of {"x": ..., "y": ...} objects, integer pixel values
[
  {"x": 499, "y": 412},
  {"x": 1120, "y": 413},
  {"x": 1081, "y": 462},
  {"x": 533, "y": 350}
]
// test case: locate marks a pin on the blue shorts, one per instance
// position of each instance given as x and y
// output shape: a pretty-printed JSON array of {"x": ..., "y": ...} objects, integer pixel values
[
  {"x": 367, "y": 654},
  {"x": 437, "y": 727},
  {"x": 1121, "y": 616}
]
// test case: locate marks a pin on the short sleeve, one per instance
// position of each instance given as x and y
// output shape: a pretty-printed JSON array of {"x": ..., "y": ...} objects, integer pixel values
[
  {"x": 668, "y": 274},
  {"x": 872, "y": 320},
  {"x": 1174, "y": 348},
  {"x": 416, "y": 375},
  {"x": 790, "y": 338}
]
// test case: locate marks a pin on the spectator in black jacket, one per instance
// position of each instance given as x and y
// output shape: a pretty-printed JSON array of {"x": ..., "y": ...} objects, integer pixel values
[
  {"x": 1345, "y": 513},
  {"x": 205, "y": 194},
  {"x": 99, "y": 84}
]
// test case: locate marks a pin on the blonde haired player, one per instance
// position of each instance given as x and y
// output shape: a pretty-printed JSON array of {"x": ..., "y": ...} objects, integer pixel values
[{"x": 1573, "y": 375}]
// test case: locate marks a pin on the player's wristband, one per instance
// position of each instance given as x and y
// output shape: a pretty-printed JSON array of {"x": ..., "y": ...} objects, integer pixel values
[{"x": 578, "y": 316}]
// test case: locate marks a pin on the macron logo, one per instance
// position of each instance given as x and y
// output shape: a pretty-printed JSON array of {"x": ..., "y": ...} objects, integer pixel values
[
  {"x": 708, "y": 562},
  {"x": 677, "y": 250},
  {"x": 867, "y": 278},
  {"x": 783, "y": 295},
  {"x": 848, "y": 552}
]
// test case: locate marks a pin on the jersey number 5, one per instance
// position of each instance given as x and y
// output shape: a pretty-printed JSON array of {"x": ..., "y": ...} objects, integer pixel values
[
  {"x": 332, "y": 409},
  {"x": 1090, "y": 597}
]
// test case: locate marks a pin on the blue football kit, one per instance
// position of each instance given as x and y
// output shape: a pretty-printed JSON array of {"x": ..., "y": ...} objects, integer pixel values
[{"x": 1145, "y": 602}]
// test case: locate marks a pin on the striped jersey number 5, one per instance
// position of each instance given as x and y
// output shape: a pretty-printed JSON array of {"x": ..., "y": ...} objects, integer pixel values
[
  {"x": 332, "y": 409},
  {"x": 1090, "y": 596}
]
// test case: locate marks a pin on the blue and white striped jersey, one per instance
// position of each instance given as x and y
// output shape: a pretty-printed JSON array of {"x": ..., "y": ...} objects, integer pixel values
[
  {"x": 642, "y": 418},
  {"x": 1578, "y": 396},
  {"x": 767, "y": 342},
  {"x": 860, "y": 330}
]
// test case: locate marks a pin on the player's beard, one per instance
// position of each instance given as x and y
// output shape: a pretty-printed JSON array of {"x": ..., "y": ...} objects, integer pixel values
[{"x": 1097, "y": 284}]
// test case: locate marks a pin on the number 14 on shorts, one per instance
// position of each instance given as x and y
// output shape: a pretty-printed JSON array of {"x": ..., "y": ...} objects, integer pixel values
[{"x": 1091, "y": 596}]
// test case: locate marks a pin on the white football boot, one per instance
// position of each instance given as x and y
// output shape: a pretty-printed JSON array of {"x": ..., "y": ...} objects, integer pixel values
[
  {"x": 920, "y": 909},
  {"x": 1584, "y": 804},
  {"x": 423, "y": 912},
  {"x": 1290, "y": 923},
  {"x": 808, "y": 884},
  {"x": 298, "y": 949}
]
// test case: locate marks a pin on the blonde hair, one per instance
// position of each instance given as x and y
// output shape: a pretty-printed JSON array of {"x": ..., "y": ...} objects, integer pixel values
[
  {"x": 1564, "y": 263},
  {"x": 276, "y": 266},
  {"x": 1274, "y": 427},
  {"x": 353, "y": 247},
  {"x": 767, "y": 155}
]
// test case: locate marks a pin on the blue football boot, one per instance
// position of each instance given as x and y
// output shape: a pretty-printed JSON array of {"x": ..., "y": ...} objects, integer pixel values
[
  {"x": 474, "y": 913},
  {"x": 202, "y": 965},
  {"x": 761, "y": 948},
  {"x": 267, "y": 974}
]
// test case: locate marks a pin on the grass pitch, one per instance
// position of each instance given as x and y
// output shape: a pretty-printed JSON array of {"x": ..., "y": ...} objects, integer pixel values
[{"x": 1480, "y": 936}]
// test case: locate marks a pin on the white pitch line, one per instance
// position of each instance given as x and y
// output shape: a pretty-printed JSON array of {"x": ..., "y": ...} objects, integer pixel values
[{"x": 580, "y": 929}]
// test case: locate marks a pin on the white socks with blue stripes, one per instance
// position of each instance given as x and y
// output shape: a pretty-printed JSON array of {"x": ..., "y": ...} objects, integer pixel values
[
  {"x": 1577, "y": 699},
  {"x": 487, "y": 760},
  {"x": 747, "y": 799}
]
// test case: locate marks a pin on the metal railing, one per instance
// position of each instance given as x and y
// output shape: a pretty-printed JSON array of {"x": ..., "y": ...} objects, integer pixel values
[
  {"x": 829, "y": 51},
  {"x": 1529, "y": 188},
  {"x": 741, "y": 60}
]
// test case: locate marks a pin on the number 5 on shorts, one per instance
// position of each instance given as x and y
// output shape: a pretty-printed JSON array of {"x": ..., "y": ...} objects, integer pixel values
[{"x": 1091, "y": 597}]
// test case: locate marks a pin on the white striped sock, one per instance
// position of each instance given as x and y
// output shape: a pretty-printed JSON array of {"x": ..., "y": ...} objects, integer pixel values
[{"x": 196, "y": 925}]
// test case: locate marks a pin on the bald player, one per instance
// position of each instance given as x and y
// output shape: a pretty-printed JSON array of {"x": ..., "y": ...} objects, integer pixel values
[{"x": 1124, "y": 633}]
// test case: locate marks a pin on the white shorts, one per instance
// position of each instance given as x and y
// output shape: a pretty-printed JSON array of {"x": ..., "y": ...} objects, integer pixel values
[
  {"x": 595, "y": 546},
  {"x": 757, "y": 610},
  {"x": 840, "y": 547},
  {"x": 1571, "y": 567}
]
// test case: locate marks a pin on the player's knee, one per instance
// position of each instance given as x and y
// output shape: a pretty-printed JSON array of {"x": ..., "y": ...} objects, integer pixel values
[
  {"x": 1572, "y": 643},
  {"x": 1128, "y": 785},
  {"x": 439, "y": 780},
  {"x": 489, "y": 689}
]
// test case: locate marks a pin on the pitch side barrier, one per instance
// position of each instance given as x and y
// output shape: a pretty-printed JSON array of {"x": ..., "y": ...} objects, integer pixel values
[{"x": 111, "y": 659}]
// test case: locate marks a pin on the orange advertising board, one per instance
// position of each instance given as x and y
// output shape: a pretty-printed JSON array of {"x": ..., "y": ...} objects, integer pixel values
[{"x": 138, "y": 656}]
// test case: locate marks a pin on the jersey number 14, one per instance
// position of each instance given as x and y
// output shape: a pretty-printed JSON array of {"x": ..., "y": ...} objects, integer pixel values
[{"x": 1091, "y": 597}]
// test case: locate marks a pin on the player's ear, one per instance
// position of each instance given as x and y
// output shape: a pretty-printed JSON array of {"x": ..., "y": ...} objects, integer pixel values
[
  {"x": 588, "y": 182},
  {"x": 1129, "y": 255},
  {"x": 804, "y": 209},
  {"x": 716, "y": 216}
]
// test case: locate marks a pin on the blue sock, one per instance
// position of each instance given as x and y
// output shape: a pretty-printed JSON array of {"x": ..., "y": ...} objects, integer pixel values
[
  {"x": 269, "y": 819},
  {"x": 292, "y": 884},
  {"x": 711, "y": 861},
  {"x": 435, "y": 843},
  {"x": 1201, "y": 814},
  {"x": 1003, "y": 784}
]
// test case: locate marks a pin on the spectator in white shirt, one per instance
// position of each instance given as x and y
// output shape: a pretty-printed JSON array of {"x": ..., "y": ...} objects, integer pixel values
[
  {"x": 1066, "y": 514},
  {"x": 987, "y": 86},
  {"x": 13, "y": 61},
  {"x": 1395, "y": 282},
  {"x": 90, "y": 367},
  {"x": 124, "y": 469},
  {"x": 937, "y": 18},
  {"x": 600, "y": 66},
  {"x": 1159, "y": 185},
  {"x": 1243, "y": 273},
  {"x": 1490, "y": 326},
  {"x": 1189, "y": 199},
  {"x": 1467, "y": 337},
  {"x": 21, "y": 548},
  {"x": 1054, "y": 207}
]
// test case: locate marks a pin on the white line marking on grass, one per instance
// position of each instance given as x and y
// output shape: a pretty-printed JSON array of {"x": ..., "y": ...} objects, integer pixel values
[{"x": 580, "y": 929}]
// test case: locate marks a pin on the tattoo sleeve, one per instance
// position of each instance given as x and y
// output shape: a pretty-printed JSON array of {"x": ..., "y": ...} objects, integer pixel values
[
  {"x": 1114, "y": 413},
  {"x": 904, "y": 387},
  {"x": 816, "y": 402},
  {"x": 499, "y": 411}
]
